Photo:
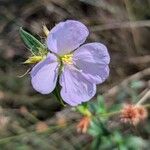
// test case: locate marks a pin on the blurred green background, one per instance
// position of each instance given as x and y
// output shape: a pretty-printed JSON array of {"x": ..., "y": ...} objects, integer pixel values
[{"x": 122, "y": 25}]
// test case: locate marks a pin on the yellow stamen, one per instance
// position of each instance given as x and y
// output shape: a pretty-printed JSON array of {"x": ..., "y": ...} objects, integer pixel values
[{"x": 67, "y": 59}]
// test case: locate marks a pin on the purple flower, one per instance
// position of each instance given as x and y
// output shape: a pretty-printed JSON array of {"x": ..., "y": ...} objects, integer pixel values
[{"x": 79, "y": 68}]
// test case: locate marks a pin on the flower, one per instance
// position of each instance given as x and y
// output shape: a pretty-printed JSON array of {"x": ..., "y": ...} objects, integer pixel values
[
  {"x": 133, "y": 114},
  {"x": 79, "y": 69}
]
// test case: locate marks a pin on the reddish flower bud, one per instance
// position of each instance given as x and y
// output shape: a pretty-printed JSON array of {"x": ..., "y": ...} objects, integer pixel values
[
  {"x": 83, "y": 125},
  {"x": 133, "y": 114}
]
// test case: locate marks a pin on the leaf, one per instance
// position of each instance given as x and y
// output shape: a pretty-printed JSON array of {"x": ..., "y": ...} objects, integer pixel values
[
  {"x": 94, "y": 129},
  {"x": 56, "y": 93},
  {"x": 33, "y": 44},
  {"x": 100, "y": 104}
]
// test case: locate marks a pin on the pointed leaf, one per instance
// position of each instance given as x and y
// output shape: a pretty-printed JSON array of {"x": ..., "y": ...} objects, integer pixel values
[{"x": 33, "y": 44}]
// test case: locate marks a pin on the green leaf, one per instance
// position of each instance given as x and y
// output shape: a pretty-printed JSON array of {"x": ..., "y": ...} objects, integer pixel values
[
  {"x": 100, "y": 104},
  {"x": 94, "y": 129},
  {"x": 56, "y": 93},
  {"x": 33, "y": 44}
]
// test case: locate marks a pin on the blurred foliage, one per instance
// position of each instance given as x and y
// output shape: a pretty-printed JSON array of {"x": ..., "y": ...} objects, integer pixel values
[{"x": 105, "y": 137}]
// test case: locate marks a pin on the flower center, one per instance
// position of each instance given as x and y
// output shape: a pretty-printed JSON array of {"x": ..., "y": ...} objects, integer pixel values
[{"x": 67, "y": 59}]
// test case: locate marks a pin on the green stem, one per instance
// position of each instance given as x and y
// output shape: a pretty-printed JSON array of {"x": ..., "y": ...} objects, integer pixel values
[
  {"x": 109, "y": 114},
  {"x": 144, "y": 98}
]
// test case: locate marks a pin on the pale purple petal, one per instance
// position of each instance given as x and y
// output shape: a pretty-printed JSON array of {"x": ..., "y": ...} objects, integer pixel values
[
  {"x": 66, "y": 37},
  {"x": 93, "y": 59},
  {"x": 75, "y": 87},
  {"x": 44, "y": 75}
]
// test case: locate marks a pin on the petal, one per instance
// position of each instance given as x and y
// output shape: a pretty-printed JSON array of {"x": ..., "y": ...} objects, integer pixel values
[
  {"x": 93, "y": 59},
  {"x": 44, "y": 75},
  {"x": 66, "y": 37},
  {"x": 75, "y": 87}
]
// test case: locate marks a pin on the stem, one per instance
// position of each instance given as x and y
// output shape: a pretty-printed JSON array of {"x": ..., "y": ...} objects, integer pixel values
[
  {"x": 109, "y": 114},
  {"x": 147, "y": 105},
  {"x": 20, "y": 76},
  {"x": 144, "y": 98},
  {"x": 118, "y": 111}
]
